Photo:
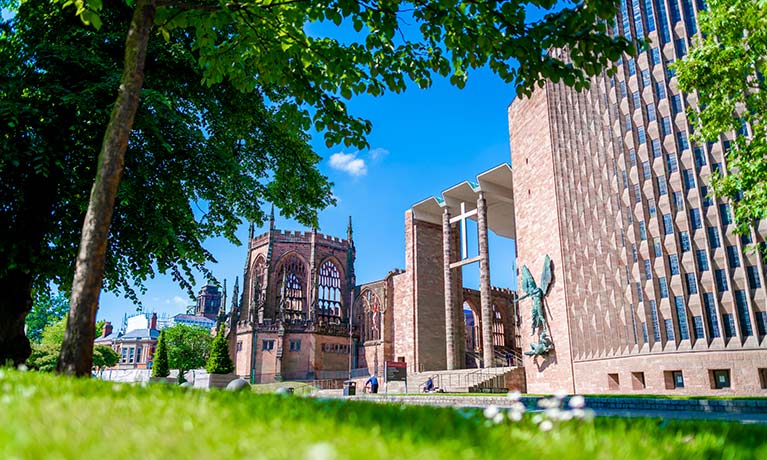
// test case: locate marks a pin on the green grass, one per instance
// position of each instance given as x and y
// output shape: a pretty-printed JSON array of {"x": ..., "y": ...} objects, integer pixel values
[{"x": 48, "y": 417}]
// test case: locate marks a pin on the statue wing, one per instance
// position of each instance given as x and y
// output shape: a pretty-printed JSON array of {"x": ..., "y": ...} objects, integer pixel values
[
  {"x": 546, "y": 275},
  {"x": 528, "y": 283}
]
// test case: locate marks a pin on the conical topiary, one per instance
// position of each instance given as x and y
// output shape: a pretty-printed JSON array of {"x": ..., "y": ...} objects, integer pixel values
[
  {"x": 219, "y": 361},
  {"x": 160, "y": 366}
]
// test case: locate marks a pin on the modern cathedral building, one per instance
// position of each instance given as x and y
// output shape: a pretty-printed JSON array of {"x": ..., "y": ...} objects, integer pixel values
[{"x": 652, "y": 289}]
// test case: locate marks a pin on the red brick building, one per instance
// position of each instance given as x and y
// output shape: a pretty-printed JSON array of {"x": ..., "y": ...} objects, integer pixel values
[
  {"x": 652, "y": 290},
  {"x": 292, "y": 320}
]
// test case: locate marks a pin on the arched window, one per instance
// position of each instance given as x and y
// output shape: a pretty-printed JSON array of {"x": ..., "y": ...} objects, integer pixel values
[
  {"x": 258, "y": 289},
  {"x": 291, "y": 297},
  {"x": 369, "y": 313},
  {"x": 499, "y": 337},
  {"x": 329, "y": 292}
]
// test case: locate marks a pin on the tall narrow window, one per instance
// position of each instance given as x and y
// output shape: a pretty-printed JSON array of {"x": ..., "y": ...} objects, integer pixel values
[
  {"x": 700, "y": 157},
  {"x": 692, "y": 283},
  {"x": 700, "y": 256},
  {"x": 257, "y": 293},
  {"x": 669, "y": 330},
  {"x": 292, "y": 295},
  {"x": 662, "y": 187},
  {"x": 329, "y": 292},
  {"x": 668, "y": 225},
  {"x": 689, "y": 18},
  {"x": 673, "y": 262},
  {"x": 665, "y": 126},
  {"x": 711, "y": 315},
  {"x": 671, "y": 162},
  {"x": 676, "y": 104},
  {"x": 499, "y": 337},
  {"x": 657, "y": 152},
  {"x": 369, "y": 311},
  {"x": 684, "y": 241},
  {"x": 697, "y": 322},
  {"x": 695, "y": 219},
  {"x": 725, "y": 213},
  {"x": 733, "y": 256},
  {"x": 745, "y": 321},
  {"x": 655, "y": 322},
  {"x": 754, "y": 281},
  {"x": 663, "y": 286},
  {"x": 665, "y": 35},
  {"x": 713, "y": 238},
  {"x": 681, "y": 316},
  {"x": 720, "y": 276}
]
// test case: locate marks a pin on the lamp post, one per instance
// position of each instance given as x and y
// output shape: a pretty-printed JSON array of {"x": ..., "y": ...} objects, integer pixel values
[{"x": 351, "y": 338}]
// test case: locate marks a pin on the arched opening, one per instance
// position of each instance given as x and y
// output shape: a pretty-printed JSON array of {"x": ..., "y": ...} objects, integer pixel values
[
  {"x": 258, "y": 290},
  {"x": 499, "y": 335},
  {"x": 471, "y": 323},
  {"x": 369, "y": 316},
  {"x": 329, "y": 293},
  {"x": 291, "y": 297}
]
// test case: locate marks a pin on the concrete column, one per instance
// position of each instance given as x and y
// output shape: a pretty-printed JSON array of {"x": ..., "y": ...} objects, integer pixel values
[
  {"x": 486, "y": 299},
  {"x": 449, "y": 313}
]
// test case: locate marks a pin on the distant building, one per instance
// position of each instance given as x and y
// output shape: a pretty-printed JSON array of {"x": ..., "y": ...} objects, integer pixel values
[
  {"x": 136, "y": 346},
  {"x": 193, "y": 320},
  {"x": 208, "y": 302}
]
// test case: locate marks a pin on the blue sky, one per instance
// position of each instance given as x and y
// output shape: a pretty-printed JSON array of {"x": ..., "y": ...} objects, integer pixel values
[{"x": 423, "y": 142}]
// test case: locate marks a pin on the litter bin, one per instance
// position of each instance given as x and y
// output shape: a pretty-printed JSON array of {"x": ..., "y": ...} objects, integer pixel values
[{"x": 350, "y": 388}]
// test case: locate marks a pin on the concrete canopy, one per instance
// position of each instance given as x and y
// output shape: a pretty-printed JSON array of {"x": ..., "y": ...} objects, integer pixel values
[{"x": 496, "y": 186}]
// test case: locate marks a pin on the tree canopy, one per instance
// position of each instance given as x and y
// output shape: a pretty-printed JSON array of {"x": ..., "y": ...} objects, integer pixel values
[
  {"x": 201, "y": 159},
  {"x": 185, "y": 151},
  {"x": 104, "y": 356},
  {"x": 726, "y": 68},
  {"x": 188, "y": 347},
  {"x": 48, "y": 308}
]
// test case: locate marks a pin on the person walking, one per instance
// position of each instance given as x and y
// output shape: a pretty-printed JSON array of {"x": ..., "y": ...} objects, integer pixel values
[{"x": 373, "y": 383}]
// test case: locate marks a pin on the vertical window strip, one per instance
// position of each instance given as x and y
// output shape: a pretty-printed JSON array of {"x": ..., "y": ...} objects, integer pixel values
[
  {"x": 665, "y": 35},
  {"x": 711, "y": 316},
  {"x": 745, "y": 322},
  {"x": 681, "y": 316},
  {"x": 655, "y": 323}
]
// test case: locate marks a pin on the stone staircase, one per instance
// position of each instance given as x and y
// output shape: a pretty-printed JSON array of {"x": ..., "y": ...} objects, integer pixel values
[{"x": 492, "y": 379}]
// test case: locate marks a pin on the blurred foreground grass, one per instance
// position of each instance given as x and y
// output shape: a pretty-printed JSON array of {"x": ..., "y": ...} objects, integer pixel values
[{"x": 47, "y": 417}]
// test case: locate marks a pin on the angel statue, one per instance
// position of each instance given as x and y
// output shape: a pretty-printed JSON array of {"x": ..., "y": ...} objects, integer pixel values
[{"x": 538, "y": 293}]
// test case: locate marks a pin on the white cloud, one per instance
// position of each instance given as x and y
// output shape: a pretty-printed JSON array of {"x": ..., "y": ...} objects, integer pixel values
[
  {"x": 378, "y": 152},
  {"x": 348, "y": 163},
  {"x": 177, "y": 301}
]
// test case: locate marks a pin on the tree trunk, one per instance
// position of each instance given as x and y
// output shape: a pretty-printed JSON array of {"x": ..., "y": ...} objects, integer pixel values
[
  {"x": 76, "y": 355},
  {"x": 15, "y": 303}
]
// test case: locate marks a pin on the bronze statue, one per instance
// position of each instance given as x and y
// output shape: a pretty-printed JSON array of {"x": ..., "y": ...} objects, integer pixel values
[{"x": 544, "y": 344}]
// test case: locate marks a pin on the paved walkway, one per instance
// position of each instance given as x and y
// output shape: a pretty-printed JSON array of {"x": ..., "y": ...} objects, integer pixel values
[{"x": 735, "y": 415}]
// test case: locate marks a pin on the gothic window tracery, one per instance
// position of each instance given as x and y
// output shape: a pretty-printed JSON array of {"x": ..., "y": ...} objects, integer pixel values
[
  {"x": 258, "y": 289},
  {"x": 329, "y": 292},
  {"x": 499, "y": 337},
  {"x": 369, "y": 316},
  {"x": 292, "y": 295}
]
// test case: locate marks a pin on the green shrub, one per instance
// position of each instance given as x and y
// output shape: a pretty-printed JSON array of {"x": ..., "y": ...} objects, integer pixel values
[
  {"x": 220, "y": 362},
  {"x": 160, "y": 367}
]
